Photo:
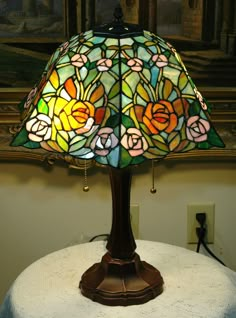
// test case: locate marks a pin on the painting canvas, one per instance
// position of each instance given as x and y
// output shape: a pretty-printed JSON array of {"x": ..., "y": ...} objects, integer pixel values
[
  {"x": 31, "y": 18},
  {"x": 20, "y": 67},
  {"x": 30, "y": 30}
]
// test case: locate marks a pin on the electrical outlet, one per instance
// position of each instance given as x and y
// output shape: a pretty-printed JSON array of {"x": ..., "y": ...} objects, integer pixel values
[
  {"x": 192, "y": 223},
  {"x": 134, "y": 217}
]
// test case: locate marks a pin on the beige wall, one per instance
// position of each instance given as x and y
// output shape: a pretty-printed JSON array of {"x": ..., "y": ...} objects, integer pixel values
[{"x": 45, "y": 211}]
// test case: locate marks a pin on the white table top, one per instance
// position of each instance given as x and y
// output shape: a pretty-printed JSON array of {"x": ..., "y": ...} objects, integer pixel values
[{"x": 196, "y": 286}]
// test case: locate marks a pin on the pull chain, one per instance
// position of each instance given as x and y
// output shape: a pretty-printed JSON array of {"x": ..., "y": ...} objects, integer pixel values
[
  {"x": 86, "y": 187},
  {"x": 153, "y": 189}
]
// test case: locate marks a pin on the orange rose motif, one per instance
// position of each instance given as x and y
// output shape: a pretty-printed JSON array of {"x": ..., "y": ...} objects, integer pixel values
[{"x": 160, "y": 117}]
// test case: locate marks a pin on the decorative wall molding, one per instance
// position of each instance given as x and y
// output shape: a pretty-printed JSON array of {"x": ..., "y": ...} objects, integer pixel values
[{"x": 223, "y": 116}]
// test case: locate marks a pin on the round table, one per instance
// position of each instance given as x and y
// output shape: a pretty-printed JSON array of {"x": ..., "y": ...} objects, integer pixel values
[{"x": 195, "y": 286}]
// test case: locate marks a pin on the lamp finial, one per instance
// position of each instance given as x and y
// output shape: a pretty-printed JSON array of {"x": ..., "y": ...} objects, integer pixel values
[{"x": 118, "y": 13}]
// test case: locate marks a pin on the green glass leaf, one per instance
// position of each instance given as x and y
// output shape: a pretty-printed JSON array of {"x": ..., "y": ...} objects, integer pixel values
[
  {"x": 137, "y": 160},
  {"x": 90, "y": 77},
  {"x": 147, "y": 137},
  {"x": 149, "y": 43},
  {"x": 143, "y": 92},
  {"x": 126, "y": 89},
  {"x": 42, "y": 107},
  {"x": 62, "y": 143},
  {"x": 203, "y": 145},
  {"x": 114, "y": 91},
  {"x": 160, "y": 143},
  {"x": 32, "y": 145},
  {"x": 161, "y": 146},
  {"x": 89, "y": 44},
  {"x": 174, "y": 140},
  {"x": 145, "y": 130},
  {"x": 155, "y": 152},
  {"x": 194, "y": 109},
  {"x": 125, "y": 158},
  {"x": 146, "y": 72},
  {"x": 168, "y": 86},
  {"x": 183, "y": 80},
  {"x": 113, "y": 121},
  {"x": 78, "y": 145},
  {"x": 214, "y": 139},
  {"x": 21, "y": 138},
  {"x": 127, "y": 122},
  {"x": 185, "y": 146}
]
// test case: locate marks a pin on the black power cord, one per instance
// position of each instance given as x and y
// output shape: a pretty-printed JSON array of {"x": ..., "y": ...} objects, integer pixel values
[
  {"x": 106, "y": 236},
  {"x": 201, "y": 234}
]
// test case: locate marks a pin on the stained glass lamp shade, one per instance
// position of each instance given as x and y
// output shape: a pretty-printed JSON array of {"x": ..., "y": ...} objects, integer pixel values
[{"x": 120, "y": 96}]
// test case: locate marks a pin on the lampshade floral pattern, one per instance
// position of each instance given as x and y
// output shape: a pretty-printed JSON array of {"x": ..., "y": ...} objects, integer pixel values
[{"x": 117, "y": 100}]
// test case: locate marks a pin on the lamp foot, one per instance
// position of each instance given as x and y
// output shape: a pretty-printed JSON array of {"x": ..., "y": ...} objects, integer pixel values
[{"x": 118, "y": 282}]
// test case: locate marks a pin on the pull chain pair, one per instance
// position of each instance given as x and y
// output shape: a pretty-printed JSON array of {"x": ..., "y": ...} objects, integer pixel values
[{"x": 86, "y": 187}]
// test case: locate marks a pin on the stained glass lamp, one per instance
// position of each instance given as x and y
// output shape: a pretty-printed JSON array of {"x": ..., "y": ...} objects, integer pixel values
[{"x": 120, "y": 96}]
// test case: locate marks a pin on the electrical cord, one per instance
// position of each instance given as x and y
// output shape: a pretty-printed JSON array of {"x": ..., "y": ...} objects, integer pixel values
[
  {"x": 201, "y": 234},
  {"x": 106, "y": 236}
]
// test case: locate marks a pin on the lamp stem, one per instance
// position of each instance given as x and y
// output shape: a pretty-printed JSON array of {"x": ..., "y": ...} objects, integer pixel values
[
  {"x": 121, "y": 278},
  {"x": 121, "y": 243}
]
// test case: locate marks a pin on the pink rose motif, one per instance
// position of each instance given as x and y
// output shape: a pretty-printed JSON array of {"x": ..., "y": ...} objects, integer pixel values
[
  {"x": 104, "y": 141},
  {"x": 135, "y": 64},
  {"x": 104, "y": 64},
  {"x": 79, "y": 60},
  {"x": 30, "y": 97},
  {"x": 197, "y": 129},
  {"x": 160, "y": 60},
  {"x": 134, "y": 142},
  {"x": 200, "y": 98},
  {"x": 39, "y": 128}
]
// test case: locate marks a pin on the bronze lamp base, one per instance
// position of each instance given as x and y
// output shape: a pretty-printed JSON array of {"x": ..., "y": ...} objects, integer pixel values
[{"x": 117, "y": 282}]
